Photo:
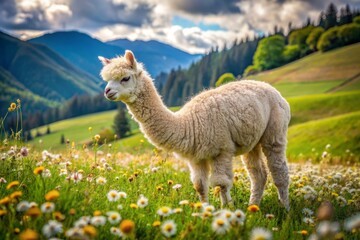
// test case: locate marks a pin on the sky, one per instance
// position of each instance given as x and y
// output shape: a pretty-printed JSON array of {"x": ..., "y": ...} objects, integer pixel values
[{"x": 191, "y": 25}]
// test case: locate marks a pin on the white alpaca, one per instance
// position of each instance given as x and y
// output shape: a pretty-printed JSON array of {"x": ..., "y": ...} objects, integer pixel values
[{"x": 243, "y": 117}]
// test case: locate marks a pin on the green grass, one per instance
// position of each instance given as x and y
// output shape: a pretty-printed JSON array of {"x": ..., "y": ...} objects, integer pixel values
[
  {"x": 134, "y": 176},
  {"x": 341, "y": 132},
  {"x": 341, "y": 63}
]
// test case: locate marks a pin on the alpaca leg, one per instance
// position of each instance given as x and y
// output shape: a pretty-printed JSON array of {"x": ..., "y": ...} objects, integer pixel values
[
  {"x": 222, "y": 176},
  {"x": 257, "y": 172},
  {"x": 279, "y": 171},
  {"x": 199, "y": 177}
]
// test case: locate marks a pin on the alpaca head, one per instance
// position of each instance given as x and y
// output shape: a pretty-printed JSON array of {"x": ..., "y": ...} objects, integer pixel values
[{"x": 121, "y": 75}]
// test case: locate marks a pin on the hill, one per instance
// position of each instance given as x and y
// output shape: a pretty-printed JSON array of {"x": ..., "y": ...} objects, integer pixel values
[
  {"x": 157, "y": 57},
  {"x": 336, "y": 70},
  {"x": 33, "y": 72}
]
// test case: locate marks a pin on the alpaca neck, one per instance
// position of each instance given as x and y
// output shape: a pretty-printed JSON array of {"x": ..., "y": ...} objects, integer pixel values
[{"x": 156, "y": 121}]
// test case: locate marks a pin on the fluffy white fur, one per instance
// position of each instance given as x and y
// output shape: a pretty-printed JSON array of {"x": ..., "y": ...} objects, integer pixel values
[{"x": 243, "y": 117}]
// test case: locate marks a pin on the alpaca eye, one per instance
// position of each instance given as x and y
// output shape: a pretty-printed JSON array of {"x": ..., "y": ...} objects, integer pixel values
[{"x": 125, "y": 79}]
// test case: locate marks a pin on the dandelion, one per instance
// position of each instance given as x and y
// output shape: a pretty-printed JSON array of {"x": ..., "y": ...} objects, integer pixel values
[
  {"x": 164, "y": 211},
  {"x": 12, "y": 107},
  {"x": 12, "y": 184},
  {"x": 156, "y": 224},
  {"x": 39, "y": 170},
  {"x": 115, "y": 231},
  {"x": 33, "y": 212},
  {"x": 5, "y": 201},
  {"x": 48, "y": 207},
  {"x": 97, "y": 213},
  {"x": 127, "y": 226},
  {"x": 142, "y": 202},
  {"x": 113, "y": 217},
  {"x": 101, "y": 180},
  {"x": 52, "y": 195},
  {"x": 220, "y": 225},
  {"x": 90, "y": 231},
  {"x": 113, "y": 196},
  {"x": 28, "y": 234},
  {"x": 303, "y": 232},
  {"x": 253, "y": 208},
  {"x": 198, "y": 205},
  {"x": 97, "y": 137},
  {"x": 3, "y": 212},
  {"x": 98, "y": 221},
  {"x": 72, "y": 211},
  {"x": 134, "y": 206},
  {"x": 177, "y": 186},
  {"x": 260, "y": 234},
  {"x": 168, "y": 228},
  {"x": 59, "y": 216},
  {"x": 16, "y": 195},
  {"x": 52, "y": 228},
  {"x": 184, "y": 202}
]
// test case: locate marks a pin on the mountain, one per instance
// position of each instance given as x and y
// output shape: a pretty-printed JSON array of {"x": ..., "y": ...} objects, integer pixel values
[
  {"x": 157, "y": 57},
  {"x": 79, "y": 49},
  {"x": 38, "y": 76}
]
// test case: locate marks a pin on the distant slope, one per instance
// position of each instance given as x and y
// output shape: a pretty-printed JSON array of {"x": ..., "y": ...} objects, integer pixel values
[
  {"x": 32, "y": 71},
  {"x": 341, "y": 132},
  {"x": 157, "y": 57},
  {"x": 79, "y": 49},
  {"x": 316, "y": 73}
]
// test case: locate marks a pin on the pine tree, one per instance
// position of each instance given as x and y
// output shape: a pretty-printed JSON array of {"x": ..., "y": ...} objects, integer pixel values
[
  {"x": 121, "y": 123},
  {"x": 331, "y": 16}
]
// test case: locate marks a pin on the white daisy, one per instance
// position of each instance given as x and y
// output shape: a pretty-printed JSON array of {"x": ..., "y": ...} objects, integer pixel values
[
  {"x": 142, "y": 202},
  {"x": 177, "y": 186},
  {"x": 48, "y": 207},
  {"x": 260, "y": 234},
  {"x": 220, "y": 225},
  {"x": 101, "y": 180},
  {"x": 76, "y": 177},
  {"x": 122, "y": 194},
  {"x": 22, "y": 206},
  {"x": 113, "y": 195},
  {"x": 184, "y": 202},
  {"x": 239, "y": 217},
  {"x": 115, "y": 231},
  {"x": 164, "y": 211},
  {"x": 76, "y": 233},
  {"x": 113, "y": 217},
  {"x": 52, "y": 228},
  {"x": 98, "y": 221},
  {"x": 168, "y": 228},
  {"x": 308, "y": 212}
]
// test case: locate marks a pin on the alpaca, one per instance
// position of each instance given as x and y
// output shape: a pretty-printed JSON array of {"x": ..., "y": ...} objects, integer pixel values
[{"x": 248, "y": 118}]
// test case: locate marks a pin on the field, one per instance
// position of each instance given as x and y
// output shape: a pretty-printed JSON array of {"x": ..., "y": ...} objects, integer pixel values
[{"x": 74, "y": 195}]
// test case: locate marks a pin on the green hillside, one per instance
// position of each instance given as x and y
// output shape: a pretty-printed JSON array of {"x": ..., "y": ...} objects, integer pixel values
[{"x": 317, "y": 73}]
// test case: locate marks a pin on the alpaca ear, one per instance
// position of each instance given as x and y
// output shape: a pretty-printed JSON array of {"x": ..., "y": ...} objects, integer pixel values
[
  {"x": 103, "y": 60},
  {"x": 130, "y": 58}
]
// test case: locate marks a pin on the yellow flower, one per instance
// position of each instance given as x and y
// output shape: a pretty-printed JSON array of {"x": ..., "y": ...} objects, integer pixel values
[
  {"x": 52, "y": 195},
  {"x": 156, "y": 224},
  {"x": 16, "y": 195},
  {"x": 97, "y": 137},
  {"x": 217, "y": 190},
  {"x": 90, "y": 129},
  {"x": 253, "y": 208},
  {"x": 39, "y": 170},
  {"x": 29, "y": 234},
  {"x": 33, "y": 212},
  {"x": 304, "y": 232},
  {"x": 12, "y": 106},
  {"x": 90, "y": 231},
  {"x": 2, "y": 212},
  {"x": 12, "y": 184},
  {"x": 170, "y": 182},
  {"x": 198, "y": 205},
  {"x": 5, "y": 200},
  {"x": 134, "y": 206},
  {"x": 97, "y": 213},
  {"x": 16, "y": 230},
  {"x": 159, "y": 188},
  {"x": 127, "y": 226},
  {"x": 72, "y": 211},
  {"x": 59, "y": 216}
]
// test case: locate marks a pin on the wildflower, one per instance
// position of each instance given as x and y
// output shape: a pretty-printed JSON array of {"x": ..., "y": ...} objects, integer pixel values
[
  {"x": 184, "y": 202},
  {"x": 12, "y": 184},
  {"x": 98, "y": 221},
  {"x": 47, "y": 207},
  {"x": 72, "y": 211},
  {"x": 253, "y": 208},
  {"x": 164, "y": 211},
  {"x": 113, "y": 195},
  {"x": 142, "y": 202},
  {"x": 308, "y": 220},
  {"x": 198, "y": 205},
  {"x": 352, "y": 222},
  {"x": 39, "y": 170},
  {"x": 101, "y": 180},
  {"x": 2, "y": 212},
  {"x": 208, "y": 208},
  {"x": 115, "y": 231},
  {"x": 326, "y": 228},
  {"x": 90, "y": 129},
  {"x": 97, "y": 137},
  {"x": 97, "y": 213},
  {"x": 24, "y": 151},
  {"x": 269, "y": 216},
  {"x": 52, "y": 228},
  {"x": 170, "y": 182},
  {"x": 168, "y": 228},
  {"x": 260, "y": 234},
  {"x": 12, "y": 106},
  {"x": 59, "y": 216},
  {"x": 159, "y": 188},
  {"x": 327, "y": 146},
  {"x": 308, "y": 212},
  {"x": 177, "y": 186},
  {"x": 122, "y": 194},
  {"x": 239, "y": 217},
  {"x": 113, "y": 217},
  {"x": 16, "y": 195},
  {"x": 324, "y": 154},
  {"x": 134, "y": 206},
  {"x": 156, "y": 223},
  {"x": 28, "y": 234},
  {"x": 177, "y": 210},
  {"x": 52, "y": 195},
  {"x": 220, "y": 225},
  {"x": 46, "y": 173},
  {"x": 5, "y": 201},
  {"x": 76, "y": 233},
  {"x": 127, "y": 226},
  {"x": 155, "y": 169},
  {"x": 120, "y": 207},
  {"x": 303, "y": 232},
  {"x": 90, "y": 231},
  {"x": 2, "y": 180},
  {"x": 82, "y": 222},
  {"x": 76, "y": 177},
  {"x": 33, "y": 212}
]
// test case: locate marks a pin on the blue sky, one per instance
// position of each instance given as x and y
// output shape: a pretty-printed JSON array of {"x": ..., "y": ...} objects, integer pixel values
[{"x": 186, "y": 23}]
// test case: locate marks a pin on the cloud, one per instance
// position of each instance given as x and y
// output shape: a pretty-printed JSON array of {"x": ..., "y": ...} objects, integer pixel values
[{"x": 205, "y": 7}]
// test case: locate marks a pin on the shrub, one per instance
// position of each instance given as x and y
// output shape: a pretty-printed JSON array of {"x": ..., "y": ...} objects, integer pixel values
[
  {"x": 251, "y": 70},
  {"x": 314, "y": 37},
  {"x": 349, "y": 33},
  {"x": 291, "y": 53},
  {"x": 225, "y": 78},
  {"x": 356, "y": 20},
  {"x": 329, "y": 40}
]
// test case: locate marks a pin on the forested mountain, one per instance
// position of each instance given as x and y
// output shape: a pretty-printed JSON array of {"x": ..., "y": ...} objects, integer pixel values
[
  {"x": 157, "y": 57},
  {"x": 38, "y": 76},
  {"x": 184, "y": 83}
]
